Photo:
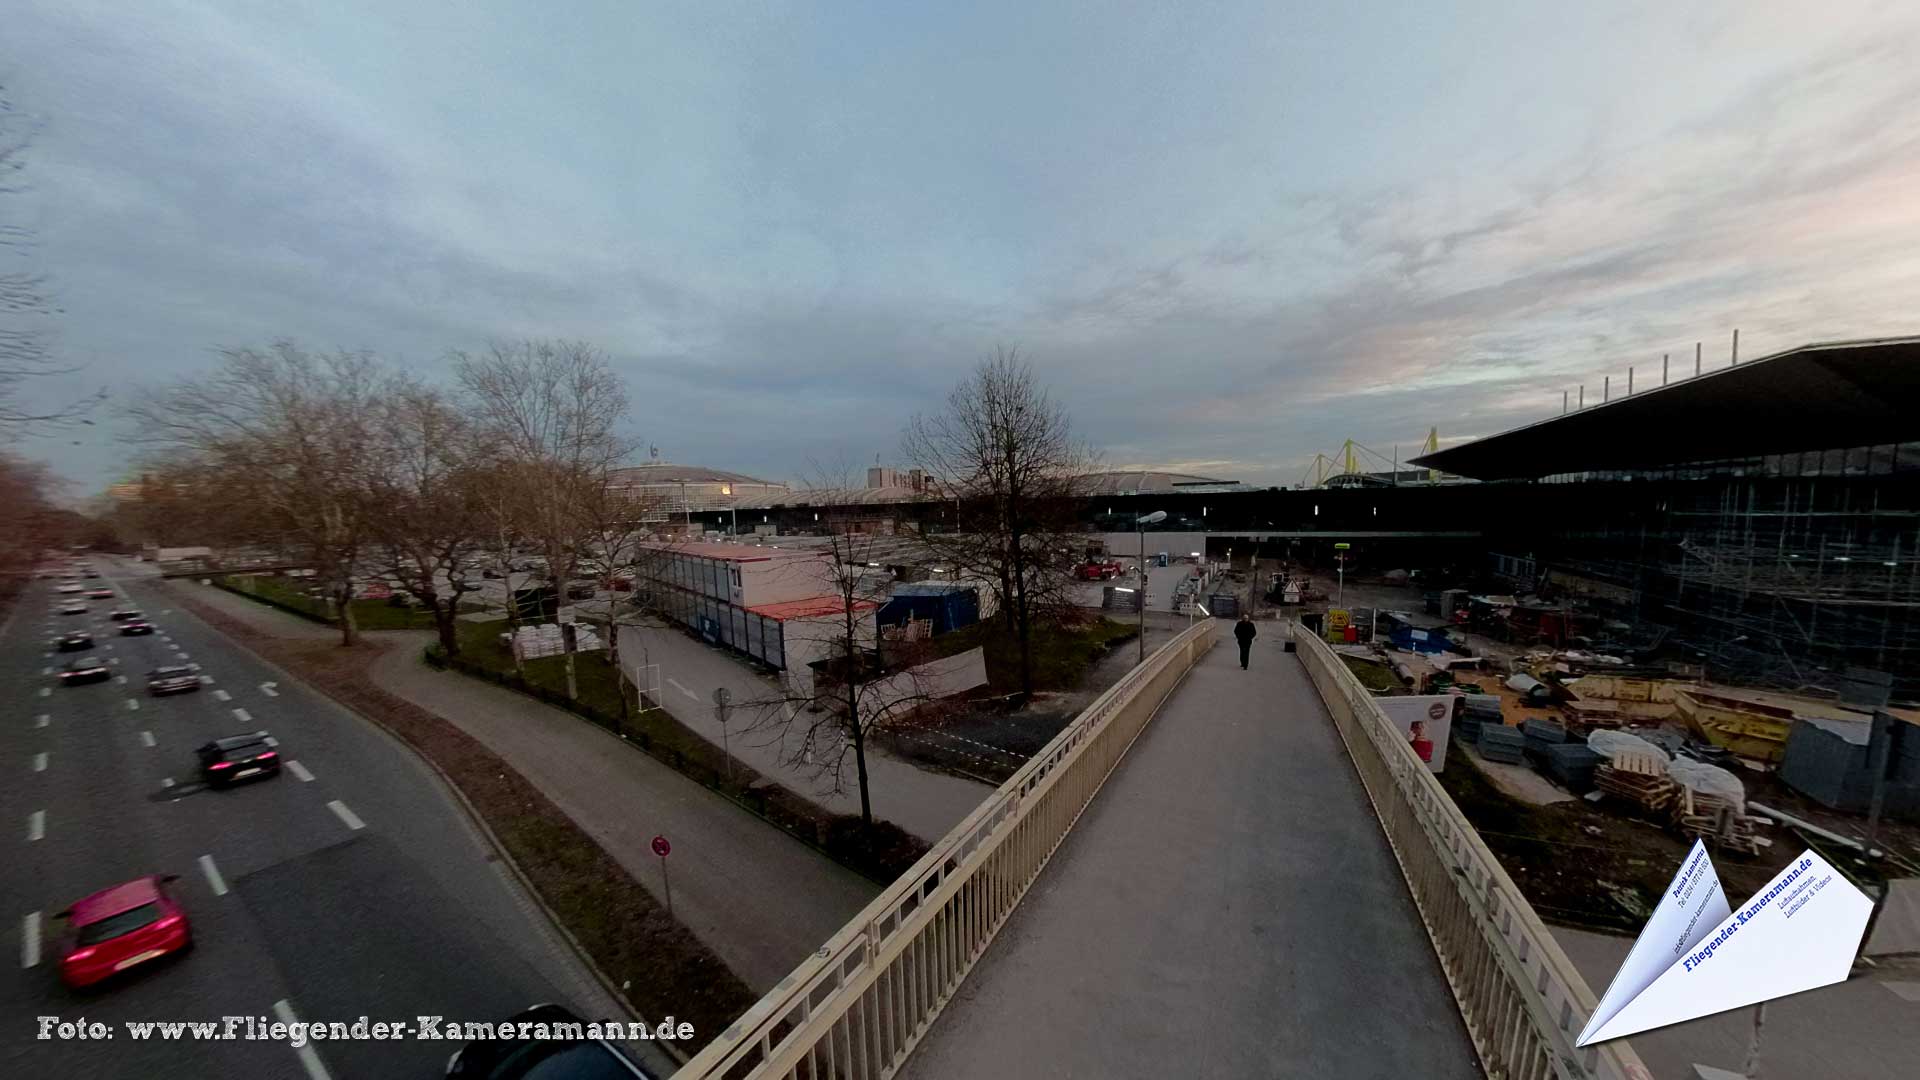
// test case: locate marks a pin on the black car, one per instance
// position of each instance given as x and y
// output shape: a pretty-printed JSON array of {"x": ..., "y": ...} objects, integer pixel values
[
  {"x": 547, "y": 1059},
  {"x": 172, "y": 680},
  {"x": 84, "y": 669},
  {"x": 135, "y": 627},
  {"x": 124, "y": 615},
  {"x": 238, "y": 757},
  {"x": 78, "y": 641}
]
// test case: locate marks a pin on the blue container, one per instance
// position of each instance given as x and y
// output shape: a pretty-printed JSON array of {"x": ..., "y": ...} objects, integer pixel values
[{"x": 947, "y": 605}]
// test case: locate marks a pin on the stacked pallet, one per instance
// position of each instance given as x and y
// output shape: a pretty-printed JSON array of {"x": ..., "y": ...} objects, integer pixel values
[
  {"x": 1542, "y": 736},
  {"x": 1638, "y": 778},
  {"x": 1572, "y": 766},
  {"x": 1501, "y": 743}
]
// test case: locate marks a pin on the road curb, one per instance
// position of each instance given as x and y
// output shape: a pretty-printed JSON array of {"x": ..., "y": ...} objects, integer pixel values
[{"x": 670, "y": 1048}]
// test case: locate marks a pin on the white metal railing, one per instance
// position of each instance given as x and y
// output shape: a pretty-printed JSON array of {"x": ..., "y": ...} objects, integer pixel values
[
  {"x": 1522, "y": 999},
  {"x": 860, "y": 1005}
]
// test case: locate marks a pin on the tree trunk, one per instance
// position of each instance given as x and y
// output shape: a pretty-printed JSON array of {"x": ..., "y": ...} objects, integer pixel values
[
  {"x": 444, "y": 620},
  {"x": 347, "y": 628}
]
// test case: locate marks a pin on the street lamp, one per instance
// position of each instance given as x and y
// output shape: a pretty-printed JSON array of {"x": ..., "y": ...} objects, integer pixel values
[{"x": 1140, "y": 525}]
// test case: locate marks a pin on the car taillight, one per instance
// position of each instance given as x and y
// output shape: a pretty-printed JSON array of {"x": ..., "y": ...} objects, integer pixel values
[
  {"x": 221, "y": 765},
  {"x": 267, "y": 756},
  {"x": 76, "y": 957}
]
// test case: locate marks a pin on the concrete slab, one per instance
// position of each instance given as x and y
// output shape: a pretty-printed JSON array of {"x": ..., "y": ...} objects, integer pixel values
[{"x": 1227, "y": 907}]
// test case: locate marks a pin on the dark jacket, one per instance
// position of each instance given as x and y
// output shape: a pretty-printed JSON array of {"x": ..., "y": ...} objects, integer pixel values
[{"x": 1244, "y": 631}]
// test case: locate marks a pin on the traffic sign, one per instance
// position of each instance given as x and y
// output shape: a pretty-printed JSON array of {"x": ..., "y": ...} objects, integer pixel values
[
  {"x": 661, "y": 847},
  {"x": 722, "y": 696}
]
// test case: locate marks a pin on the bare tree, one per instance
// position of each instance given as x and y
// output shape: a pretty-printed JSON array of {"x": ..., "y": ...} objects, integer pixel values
[
  {"x": 25, "y": 309},
  {"x": 290, "y": 434},
  {"x": 1004, "y": 451},
  {"x": 552, "y": 409},
  {"x": 425, "y": 486}
]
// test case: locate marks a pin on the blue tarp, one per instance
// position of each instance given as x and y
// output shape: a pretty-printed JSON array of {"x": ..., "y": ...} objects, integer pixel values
[{"x": 949, "y": 606}]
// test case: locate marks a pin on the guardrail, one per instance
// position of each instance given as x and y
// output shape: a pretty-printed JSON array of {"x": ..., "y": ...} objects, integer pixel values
[
  {"x": 860, "y": 1005},
  {"x": 1523, "y": 1001}
]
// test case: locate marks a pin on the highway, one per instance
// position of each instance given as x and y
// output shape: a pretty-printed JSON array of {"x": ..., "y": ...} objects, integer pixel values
[{"x": 350, "y": 885}]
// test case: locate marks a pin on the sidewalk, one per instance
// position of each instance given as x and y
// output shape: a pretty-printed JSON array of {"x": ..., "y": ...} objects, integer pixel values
[
  {"x": 926, "y": 804},
  {"x": 760, "y": 899},
  {"x": 756, "y": 896}
]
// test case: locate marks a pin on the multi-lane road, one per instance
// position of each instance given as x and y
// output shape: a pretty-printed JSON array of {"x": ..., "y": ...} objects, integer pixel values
[{"x": 350, "y": 885}]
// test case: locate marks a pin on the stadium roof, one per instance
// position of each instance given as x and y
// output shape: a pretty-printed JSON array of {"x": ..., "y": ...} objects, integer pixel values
[
  {"x": 666, "y": 472},
  {"x": 1815, "y": 397},
  {"x": 1149, "y": 482}
]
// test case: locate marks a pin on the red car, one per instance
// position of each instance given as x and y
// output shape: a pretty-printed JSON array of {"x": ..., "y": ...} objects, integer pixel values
[
  {"x": 1096, "y": 570},
  {"x": 122, "y": 927}
]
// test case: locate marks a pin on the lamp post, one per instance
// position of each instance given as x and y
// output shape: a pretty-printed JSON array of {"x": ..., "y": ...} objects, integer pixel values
[{"x": 1140, "y": 525}]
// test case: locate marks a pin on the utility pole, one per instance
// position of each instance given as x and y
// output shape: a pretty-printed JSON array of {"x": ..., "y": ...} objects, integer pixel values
[{"x": 1696, "y": 358}]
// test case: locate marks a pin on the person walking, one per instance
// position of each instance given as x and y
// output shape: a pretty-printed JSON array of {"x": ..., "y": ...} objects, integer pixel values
[{"x": 1244, "y": 633}]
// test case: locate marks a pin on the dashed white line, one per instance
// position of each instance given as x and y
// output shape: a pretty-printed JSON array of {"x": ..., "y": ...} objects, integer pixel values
[
  {"x": 120, "y": 680},
  {"x": 46, "y": 691},
  {"x": 222, "y": 695},
  {"x": 46, "y": 671},
  {"x": 214, "y": 881},
  {"x": 243, "y": 716},
  {"x": 166, "y": 781},
  {"x": 309, "y": 1057},
  {"x": 267, "y": 688},
  {"x": 133, "y": 705},
  {"x": 42, "y": 720},
  {"x": 271, "y": 742},
  {"x": 182, "y": 652},
  {"x": 146, "y": 738},
  {"x": 340, "y": 809},
  {"x": 300, "y": 771},
  {"x": 113, "y": 659},
  {"x": 40, "y": 761},
  {"x": 684, "y": 690},
  {"x": 36, "y": 825},
  {"x": 206, "y": 680},
  {"x": 30, "y": 940}
]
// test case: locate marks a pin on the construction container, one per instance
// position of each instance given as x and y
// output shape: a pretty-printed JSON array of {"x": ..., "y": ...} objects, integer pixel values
[
  {"x": 948, "y": 605},
  {"x": 1831, "y": 762},
  {"x": 1224, "y": 606},
  {"x": 1541, "y": 736}
]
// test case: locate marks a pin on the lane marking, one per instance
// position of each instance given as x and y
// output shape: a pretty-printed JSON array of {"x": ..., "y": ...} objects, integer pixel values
[
  {"x": 300, "y": 771},
  {"x": 120, "y": 679},
  {"x": 36, "y": 825},
  {"x": 147, "y": 738},
  {"x": 46, "y": 671},
  {"x": 206, "y": 680},
  {"x": 113, "y": 660},
  {"x": 684, "y": 690},
  {"x": 340, "y": 809},
  {"x": 267, "y": 688},
  {"x": 271, "y": 742},
  {"x": 182, "y": 652},
  {"x": 30, "y": 940},
  {"x": 132, "y": 705},
  {"x": 222, "y": 695},
  {"x": 214, "y": 880},
  {"x": 46, "y": 691},
  {"x": 166, "y": 781},
  {"x": 243, "y": 716},
  {"x": 41, "y": 720},
  {"x": 40, "y": 761},
  {"x": 309, "y": 1057}
]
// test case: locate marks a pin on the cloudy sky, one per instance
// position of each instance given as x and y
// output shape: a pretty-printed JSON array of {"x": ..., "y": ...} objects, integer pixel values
[{"x": 1228, "y": 235}]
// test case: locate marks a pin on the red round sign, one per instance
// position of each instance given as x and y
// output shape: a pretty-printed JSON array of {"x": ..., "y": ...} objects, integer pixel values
[
  {"x": 661, "y": 847},
  {"x": 1437, "y": 710}
]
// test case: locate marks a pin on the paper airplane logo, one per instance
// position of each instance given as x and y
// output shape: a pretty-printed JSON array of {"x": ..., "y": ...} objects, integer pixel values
[{"x": 1697, "y": 956}]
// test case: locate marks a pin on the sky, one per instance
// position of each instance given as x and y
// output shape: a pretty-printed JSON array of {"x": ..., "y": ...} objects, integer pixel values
[{"x": 1227, "y": 236}]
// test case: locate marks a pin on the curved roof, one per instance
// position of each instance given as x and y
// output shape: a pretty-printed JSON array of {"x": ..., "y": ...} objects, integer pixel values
[
  {"x": 666, "y": 472},
  {"x": 1151, "y": 482},
  {"x": 1815, "y": 397}
]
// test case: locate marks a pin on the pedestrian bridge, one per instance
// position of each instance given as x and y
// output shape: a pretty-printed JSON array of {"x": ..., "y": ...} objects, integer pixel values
[{"x": 1210, "y": 872}]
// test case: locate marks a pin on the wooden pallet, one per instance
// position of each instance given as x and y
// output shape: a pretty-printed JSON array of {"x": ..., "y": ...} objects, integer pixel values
[
  {"x": 1651, "y": 792},
  {"x": 1715, "y": 819}
]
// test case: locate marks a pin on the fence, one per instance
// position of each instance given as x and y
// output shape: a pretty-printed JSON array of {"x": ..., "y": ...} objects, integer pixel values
[
  {"x": 860, "y": 1005},
  {"x": 1521, "y": 998}
]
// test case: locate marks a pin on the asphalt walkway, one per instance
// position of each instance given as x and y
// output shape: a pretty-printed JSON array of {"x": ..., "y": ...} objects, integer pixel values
[{"x": 1226, "y": 907}]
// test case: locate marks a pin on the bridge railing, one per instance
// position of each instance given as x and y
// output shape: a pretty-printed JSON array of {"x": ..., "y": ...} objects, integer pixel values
[
  {"x": 1523, "y": 1001},
  {"x": 860, "y": 1005}
]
